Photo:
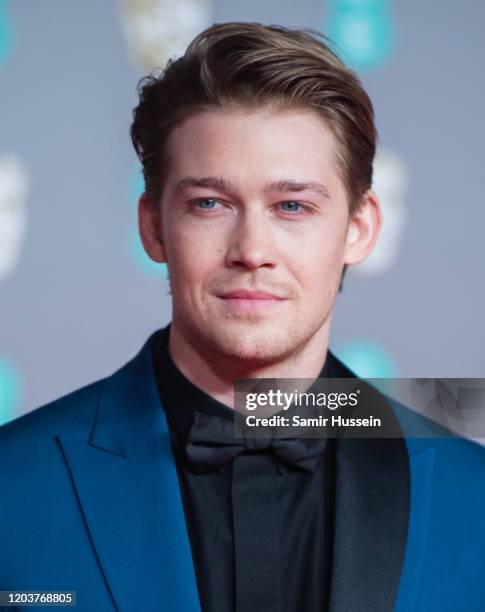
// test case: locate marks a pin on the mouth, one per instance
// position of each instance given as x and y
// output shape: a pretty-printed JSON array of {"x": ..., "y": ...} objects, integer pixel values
[{"x": 243, "y": 301}]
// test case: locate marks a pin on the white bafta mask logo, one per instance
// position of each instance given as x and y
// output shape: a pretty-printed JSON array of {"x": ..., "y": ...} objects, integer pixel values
[
  {"x": 390, "y": 185},
  {"x": 156, "y": 30},
  {"x": 14, "y": 186}
]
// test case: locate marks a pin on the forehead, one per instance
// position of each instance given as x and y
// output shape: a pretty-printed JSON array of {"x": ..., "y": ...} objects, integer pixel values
[{"x": 250, "y": 144}]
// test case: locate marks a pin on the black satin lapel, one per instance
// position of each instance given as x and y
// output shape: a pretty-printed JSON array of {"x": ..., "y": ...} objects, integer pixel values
[
  {"x": 371, "y": 523},
  {"x": 372, "y": 507}
]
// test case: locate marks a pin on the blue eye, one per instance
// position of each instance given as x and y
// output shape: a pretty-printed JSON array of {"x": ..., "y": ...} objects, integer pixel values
[
  {"x": 202, "y": 203},
  {"x": 292, "y": 204}
]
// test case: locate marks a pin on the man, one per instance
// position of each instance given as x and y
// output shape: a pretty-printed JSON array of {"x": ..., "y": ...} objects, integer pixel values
[{"x": 257, "y": 148}]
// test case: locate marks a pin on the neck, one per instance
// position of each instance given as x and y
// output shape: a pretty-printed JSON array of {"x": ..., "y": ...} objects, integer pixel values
[{"x": 215, "y": 373}]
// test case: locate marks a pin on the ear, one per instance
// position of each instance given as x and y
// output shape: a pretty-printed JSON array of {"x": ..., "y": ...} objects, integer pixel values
[
  {"x": 363, "y": 229},
  {"x": 150, "y": 227}
]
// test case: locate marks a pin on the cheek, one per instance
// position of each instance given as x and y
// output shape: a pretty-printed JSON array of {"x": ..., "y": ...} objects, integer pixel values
[
  {"x": 319, "y": 261},
  {"x": 317, "y": 269},
  {"x": 192, "y": 255}
]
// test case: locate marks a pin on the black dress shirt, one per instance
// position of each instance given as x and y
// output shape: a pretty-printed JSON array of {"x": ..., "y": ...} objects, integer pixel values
[{"x": 260, "y": 530}]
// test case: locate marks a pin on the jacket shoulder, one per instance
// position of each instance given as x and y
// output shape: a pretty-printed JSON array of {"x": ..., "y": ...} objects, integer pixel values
[
  {"x": 457, "y": 463},
  {"x": 71, "y": 413}
]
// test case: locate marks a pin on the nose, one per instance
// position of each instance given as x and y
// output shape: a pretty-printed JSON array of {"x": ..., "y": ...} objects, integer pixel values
[{"x": 252, "y": 244}]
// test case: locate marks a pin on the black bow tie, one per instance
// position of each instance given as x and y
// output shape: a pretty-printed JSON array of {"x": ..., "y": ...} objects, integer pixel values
[{"x": 211, "y": 444}]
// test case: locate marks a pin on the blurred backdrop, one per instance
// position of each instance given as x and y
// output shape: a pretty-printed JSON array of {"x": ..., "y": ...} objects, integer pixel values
[{"x": 78, "y": 297}]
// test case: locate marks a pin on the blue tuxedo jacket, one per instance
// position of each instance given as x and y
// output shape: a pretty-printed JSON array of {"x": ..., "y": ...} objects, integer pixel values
[{"x": 90, "y": 502}]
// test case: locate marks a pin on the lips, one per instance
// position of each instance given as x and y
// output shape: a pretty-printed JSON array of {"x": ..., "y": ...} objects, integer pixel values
[
  {"x": 245, "y": 294},
  {"x": 243, "y": 302}
]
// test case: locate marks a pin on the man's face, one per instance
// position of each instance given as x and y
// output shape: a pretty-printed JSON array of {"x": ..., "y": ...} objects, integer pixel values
[{"x": 253, "y": 207}]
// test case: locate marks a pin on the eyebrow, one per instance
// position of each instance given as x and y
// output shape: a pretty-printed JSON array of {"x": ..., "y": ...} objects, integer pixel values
[{"x": 214, "y": 182}]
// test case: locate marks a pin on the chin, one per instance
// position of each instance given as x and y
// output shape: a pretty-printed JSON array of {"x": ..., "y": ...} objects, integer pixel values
[{"x": 257, "y": 343}]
